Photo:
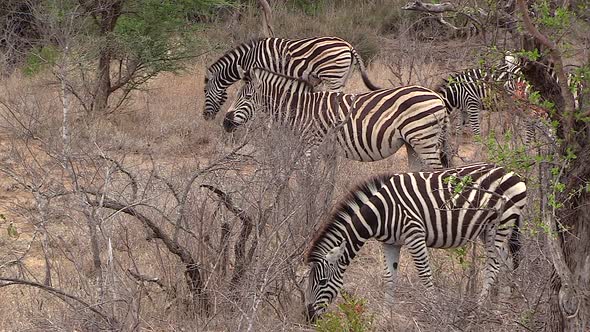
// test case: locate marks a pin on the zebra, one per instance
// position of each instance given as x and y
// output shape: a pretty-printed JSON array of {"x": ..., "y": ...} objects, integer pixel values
[
  {"x": 466, "y": 92},
  {"x": 368, "y": 126},
  {"x": 440, "y": 209},
  {"x": 321, "y": 59}
]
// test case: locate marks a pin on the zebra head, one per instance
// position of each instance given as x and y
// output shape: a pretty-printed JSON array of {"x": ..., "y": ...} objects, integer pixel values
[
  {"x": 215, "y": 96},
  {"x": 324, "y": 281},
  {"x": 242, "y": 109},
  {"x": 510, "y": 71}
]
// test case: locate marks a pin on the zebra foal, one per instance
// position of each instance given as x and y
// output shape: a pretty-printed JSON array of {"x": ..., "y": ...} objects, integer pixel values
[
  {"x": 367, "y": 126},
  {"x": 327, "y": 59},
  {"x": 418, "y": 210}
]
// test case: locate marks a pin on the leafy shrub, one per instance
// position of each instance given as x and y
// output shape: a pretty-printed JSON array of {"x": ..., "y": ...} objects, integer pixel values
[{"x": 351, "y": 316}]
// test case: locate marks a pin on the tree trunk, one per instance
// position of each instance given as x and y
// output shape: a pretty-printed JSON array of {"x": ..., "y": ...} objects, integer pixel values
[
  {"x": 103, "y": 83},
  {"x": 107, "y": 20},
  {"x": 267, "y": 30},
  {"x": 570, "y": 285},
  {"x": 571, "y": 311}
]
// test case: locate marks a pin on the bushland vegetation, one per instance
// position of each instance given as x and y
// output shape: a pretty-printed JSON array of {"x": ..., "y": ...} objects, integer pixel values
[{"x": 121, "y": 208}]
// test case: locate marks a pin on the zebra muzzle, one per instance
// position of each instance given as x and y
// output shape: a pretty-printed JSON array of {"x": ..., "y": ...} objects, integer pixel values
[
  {"x": 310, "y": 314},
  {"x": 209, "y": 115},
  {"x": 229, "y": 124}
]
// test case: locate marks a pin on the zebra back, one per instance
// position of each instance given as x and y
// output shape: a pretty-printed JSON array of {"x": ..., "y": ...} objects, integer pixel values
[
  {"x": 368, "y": 126},
  {"x": 430, "y": 197},
  {"x": 327, "y": 59}
]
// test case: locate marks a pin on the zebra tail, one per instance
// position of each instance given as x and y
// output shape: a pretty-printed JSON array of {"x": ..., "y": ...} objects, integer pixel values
[
  {"x": 444, "y": 158},
  {"x": 363, "y": 69},
  {"x": 514, "y": 244}
]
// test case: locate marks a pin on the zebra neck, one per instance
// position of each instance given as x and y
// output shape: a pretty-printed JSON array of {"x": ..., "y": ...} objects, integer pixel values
[
  {"x": 335, "y": 236},
  {"x": 226, "y": 70},
  {"x": 291, "y": 104}
]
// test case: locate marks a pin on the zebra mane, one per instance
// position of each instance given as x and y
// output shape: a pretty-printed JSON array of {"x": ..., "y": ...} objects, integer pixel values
[
  {"x": 250, "y": 43},
  {"x": 285, "y": 77},
  {"x": 447, "y": 79},
  {"x": 337, "y": 217}
]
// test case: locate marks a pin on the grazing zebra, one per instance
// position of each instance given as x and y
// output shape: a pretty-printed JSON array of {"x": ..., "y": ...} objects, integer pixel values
[
  {"x": 368, "y": 126},
  {"x": 441, "y": 209},
  {"x": 327, "y": 59}
]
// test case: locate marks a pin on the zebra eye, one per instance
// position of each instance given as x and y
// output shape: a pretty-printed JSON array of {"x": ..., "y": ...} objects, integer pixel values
[
  {"x": 248, "y": 96},
  {"x": 323, "y": 282}
]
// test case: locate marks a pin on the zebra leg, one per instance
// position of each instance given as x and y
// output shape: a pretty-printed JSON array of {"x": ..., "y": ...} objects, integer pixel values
[
  {"x": 417, "y": 247},
  {"x": 474, "y": 114},
  {"x": 414, "y": 163},
  {"x": 508, "y": 245},
  {"x": 392, "y": 254},
  {"x": 492, "y": 262},
  {"x": 428, "y": 156},
  {"x": 459, "y": 119}
]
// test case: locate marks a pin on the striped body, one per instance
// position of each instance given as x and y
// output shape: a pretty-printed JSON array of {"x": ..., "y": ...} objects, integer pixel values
[
  {"x": 418, "y": 210},
  {"x": 470, "y": 91},
  {"x": 368, "y": 126},
  {"x": 326, "y": 59}
]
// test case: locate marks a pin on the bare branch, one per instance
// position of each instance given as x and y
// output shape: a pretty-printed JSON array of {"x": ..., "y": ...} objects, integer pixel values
[
  {"x": 267, "y": 30},
  {"x": 144, "y": 278},
  {"x": 60, "y": 294},
  {"x": 126, "y": 172},
  {"x": 193, "y": 178},
  {"x": 192, "y": 271},
  {"x": 242, "y": 260}
]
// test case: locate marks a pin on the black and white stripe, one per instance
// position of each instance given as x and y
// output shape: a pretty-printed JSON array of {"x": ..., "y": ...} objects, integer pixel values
[
  {"x": 419, "y": 210},
  {"x": 470, "y": 92},
  {"x": 325, "y": 59},
  {"x": 368, "y": 126}
]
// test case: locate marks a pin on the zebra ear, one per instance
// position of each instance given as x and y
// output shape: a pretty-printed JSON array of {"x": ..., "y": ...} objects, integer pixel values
[{"x": 335, "y": 253}]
